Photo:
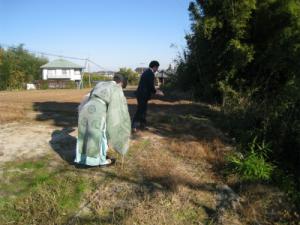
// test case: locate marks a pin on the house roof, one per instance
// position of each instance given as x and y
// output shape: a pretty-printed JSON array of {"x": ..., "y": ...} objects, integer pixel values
[{"x": 61, "y": 63}]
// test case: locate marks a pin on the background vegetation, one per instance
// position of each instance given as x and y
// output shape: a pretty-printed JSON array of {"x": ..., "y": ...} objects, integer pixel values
[
  {"x": 17, "y": 67},
  {"x": 132, "y": 76},
  {"x": 245, "y": 55}
]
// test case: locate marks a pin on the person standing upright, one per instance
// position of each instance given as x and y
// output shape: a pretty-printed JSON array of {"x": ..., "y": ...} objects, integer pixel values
[{"x": 145, "y": 90}]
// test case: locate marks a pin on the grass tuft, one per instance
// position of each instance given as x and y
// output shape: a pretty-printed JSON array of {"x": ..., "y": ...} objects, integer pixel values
[{"x": 38, "y": 194}]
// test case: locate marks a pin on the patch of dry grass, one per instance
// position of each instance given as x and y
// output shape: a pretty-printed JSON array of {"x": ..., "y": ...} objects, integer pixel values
[
  {"x": 166, "y": 189},
  {"x": 152, "y": 187},
  {"x": 10, "y": 112},
  {"x": 161, "y": 169},
  {"x": 15, "y": 104},
  {"x": 265, "y": 204},
  {"x": 212, "y": 154},
  {"x": 28, "y": 97},
  {"x": 167, "y": 209}
]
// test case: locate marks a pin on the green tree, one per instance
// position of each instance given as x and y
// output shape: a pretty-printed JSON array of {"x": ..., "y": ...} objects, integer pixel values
[
  {"x": 246, "y": 54},
  {"x": 18, "y": 66},
  {"x": 132, "y": 77},
  {"x": 95, "y": 78}
]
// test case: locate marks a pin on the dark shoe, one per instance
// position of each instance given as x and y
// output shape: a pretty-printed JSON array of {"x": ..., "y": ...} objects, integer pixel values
[
  {"x": 82, "y": 166},
  {"x": 134, "y": 125},
  {"x": 143, "y": 126}
]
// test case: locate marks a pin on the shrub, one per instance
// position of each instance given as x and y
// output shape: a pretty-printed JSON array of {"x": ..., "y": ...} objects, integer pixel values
[
  {"x": 56, "y": 84},
  {"x": 253, "y": 165},
  {"x": 95, "y": 78},
  {"x": 18, "y": 66},
  {"x": 132, "y": 77}
]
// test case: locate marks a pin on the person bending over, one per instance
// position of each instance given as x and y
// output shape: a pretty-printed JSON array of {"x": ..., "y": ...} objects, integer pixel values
[{"x": 103, "y": 120}]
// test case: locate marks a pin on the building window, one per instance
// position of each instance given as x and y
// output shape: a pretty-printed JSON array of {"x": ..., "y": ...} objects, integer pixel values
[
  {"x": 51, "y": 72},
  {"x": 77, "y": 72}
]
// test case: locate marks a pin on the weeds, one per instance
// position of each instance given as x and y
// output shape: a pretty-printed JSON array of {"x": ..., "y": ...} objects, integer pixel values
[
  {"x": 36, "y": 194},
  {"x": 253, "y": 165}
]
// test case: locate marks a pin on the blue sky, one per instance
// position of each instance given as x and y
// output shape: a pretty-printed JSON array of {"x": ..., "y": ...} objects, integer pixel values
[{"x": 113, "y": 33}]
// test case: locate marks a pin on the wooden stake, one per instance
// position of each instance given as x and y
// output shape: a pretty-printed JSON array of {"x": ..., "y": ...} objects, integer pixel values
[{"x": 122, "y": 162}]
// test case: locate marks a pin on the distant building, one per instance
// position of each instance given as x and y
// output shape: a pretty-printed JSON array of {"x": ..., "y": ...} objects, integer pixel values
[
  {"x": 161, "y": 76},
  {"x": 164, "y": 75},
  {"x": 61, "y": 73},
  {"x": 61, "y": 69}
]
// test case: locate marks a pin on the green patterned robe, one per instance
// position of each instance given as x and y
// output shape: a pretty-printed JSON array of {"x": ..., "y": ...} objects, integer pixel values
[{"x": 103, "y": 118}]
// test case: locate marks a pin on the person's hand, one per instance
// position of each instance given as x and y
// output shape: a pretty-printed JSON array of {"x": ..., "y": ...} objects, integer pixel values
[{"x": 159, "y": 92}]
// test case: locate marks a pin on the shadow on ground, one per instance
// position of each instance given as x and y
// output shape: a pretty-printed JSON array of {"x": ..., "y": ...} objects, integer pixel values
[
  {"x": 62, "y": 114},
  {"x": 167, "y": 117},
  {"x": 64, "y": 144}
]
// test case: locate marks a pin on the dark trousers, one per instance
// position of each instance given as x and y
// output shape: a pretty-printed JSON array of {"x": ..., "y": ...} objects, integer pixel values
[{"x": 141, "y": 112}]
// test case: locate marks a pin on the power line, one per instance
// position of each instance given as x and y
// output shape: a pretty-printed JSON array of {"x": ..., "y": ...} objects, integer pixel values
[
  {"x": 101, "y": 67},
  {"x": 46, "y": 53},
  {"x": 61, "y": 56},
  {"x": 57, "y": 55}
]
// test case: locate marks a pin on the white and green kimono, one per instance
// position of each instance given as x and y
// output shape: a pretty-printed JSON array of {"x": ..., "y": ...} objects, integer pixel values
[{"x": 103, "y": 119}]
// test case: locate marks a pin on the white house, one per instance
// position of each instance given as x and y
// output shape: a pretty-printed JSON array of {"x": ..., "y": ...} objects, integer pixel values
[
  {"x": 61, "y": 69},
  {"x": 161, "y": 76}
]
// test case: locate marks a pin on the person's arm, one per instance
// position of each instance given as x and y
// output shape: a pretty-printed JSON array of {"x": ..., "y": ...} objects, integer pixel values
[
  {"x": 159, "y": 92},
  {"x": 151, "y": 85}
]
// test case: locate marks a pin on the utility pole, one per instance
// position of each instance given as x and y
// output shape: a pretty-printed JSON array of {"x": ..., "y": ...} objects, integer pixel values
[
  {"x": 89, "y": 73},
  {"x": 82, "y": 74}
]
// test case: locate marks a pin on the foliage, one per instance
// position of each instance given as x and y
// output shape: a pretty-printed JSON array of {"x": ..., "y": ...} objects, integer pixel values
[
  {"x": 245, "y": 54},
  {"x": 18, "y": 66},
  {"x": 35, "y": 193},
  {"x": 132, "y": 77},
  {"x": 253, "y": 166},
  {"x": 59, "y": 84},
  {"x": 94, "y": 78}
]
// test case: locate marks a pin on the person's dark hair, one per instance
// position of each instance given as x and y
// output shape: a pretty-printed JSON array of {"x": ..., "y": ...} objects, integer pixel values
[
  {"x": 118, "y": 78},
  {"x": 154, "y": 63}
]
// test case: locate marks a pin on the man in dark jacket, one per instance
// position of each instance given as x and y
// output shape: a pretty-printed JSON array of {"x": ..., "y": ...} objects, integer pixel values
[{"x": 143, "y": 93}]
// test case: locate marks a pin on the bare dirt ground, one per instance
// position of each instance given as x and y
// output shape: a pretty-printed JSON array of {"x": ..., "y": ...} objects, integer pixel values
[
  {"x": 173, "y": 173},
  {"x": 20, "y": 141},
  {"x": 25, "y": 131}
]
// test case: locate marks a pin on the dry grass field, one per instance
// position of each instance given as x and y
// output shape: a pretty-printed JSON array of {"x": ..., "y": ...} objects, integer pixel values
[
  {"x": 174, "y": 172},
  {"x": 15, "y": 105}
]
